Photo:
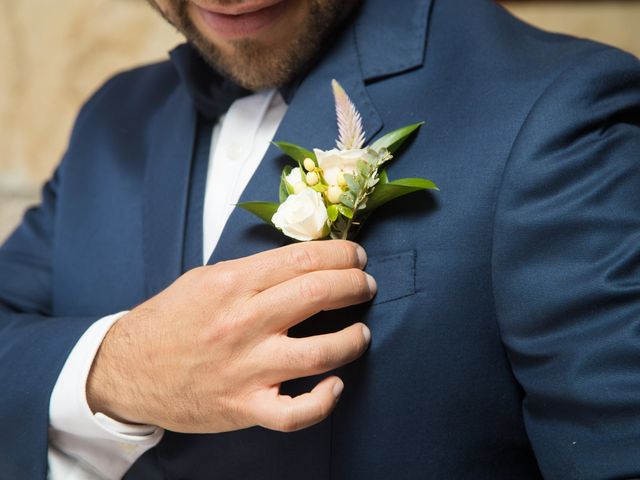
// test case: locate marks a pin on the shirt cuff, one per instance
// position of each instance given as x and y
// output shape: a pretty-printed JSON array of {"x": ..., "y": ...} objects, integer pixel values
[{"x": 106, "y": 446}]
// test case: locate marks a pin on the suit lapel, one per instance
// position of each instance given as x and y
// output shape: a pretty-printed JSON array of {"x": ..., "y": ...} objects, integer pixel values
[
  {"x": 310, "y": 122},
  {"x": 391, "y": 36},
  {"x": 363, "y": 52},
  {"x": 166, "y": 186}
]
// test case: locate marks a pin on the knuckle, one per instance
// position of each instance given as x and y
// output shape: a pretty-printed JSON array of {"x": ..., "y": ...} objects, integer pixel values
[
  {"x": 195, "y": 275},
  {"x": 213, "y": 336},
  {"x": 360, "y": 344},
  {"x": 198, "y": 271},
  {"x": 288, "y": 421},
  {"x": 228, "y": 329},
  {"x": 319, "y": 358},
  {"x": 348, "y": 253},
  {"x": 302, "y": 259},
  {"x": 323, "y": 409},
  {"x": 224, "y": 276},
  {"x": 353, "y": 347},
  {"x": 359, "y": 283},
  {"x": 311, "y": 288}
]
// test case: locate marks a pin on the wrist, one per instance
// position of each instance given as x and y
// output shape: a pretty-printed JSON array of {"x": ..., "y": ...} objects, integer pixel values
[{"x": 110, "y": 386}]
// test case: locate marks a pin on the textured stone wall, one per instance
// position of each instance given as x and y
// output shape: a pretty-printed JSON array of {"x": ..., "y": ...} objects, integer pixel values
[{"x": 54, "y": 54}]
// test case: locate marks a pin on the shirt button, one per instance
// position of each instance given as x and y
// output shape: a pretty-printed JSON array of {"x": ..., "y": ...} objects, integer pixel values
[{"x": 236, "y": 152}]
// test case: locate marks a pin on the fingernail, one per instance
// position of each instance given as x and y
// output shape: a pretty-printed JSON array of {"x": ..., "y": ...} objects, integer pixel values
[
  {"x": 367, "y": 333},
  {"x": 362, "y": 256},
  {"x": 373, "y": 286},
  {"x": 337, "y": 388}
]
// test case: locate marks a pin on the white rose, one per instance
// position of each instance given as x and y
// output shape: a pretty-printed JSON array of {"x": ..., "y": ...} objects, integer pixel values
[
  {"x": 332, "y": 161},
  {"x": 302, "y": 216},
  {"x": 295, "y": 180},
  {"x": 295, "y": 176}
]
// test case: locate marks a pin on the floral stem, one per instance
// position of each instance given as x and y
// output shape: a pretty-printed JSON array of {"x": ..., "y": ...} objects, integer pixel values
[
  {"x": 345, "y": 234},
  {"x": 361, "y": 196}
]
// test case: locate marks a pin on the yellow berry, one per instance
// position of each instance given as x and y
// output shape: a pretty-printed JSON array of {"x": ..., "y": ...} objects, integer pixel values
[
  {"x": 309, "y": 164},
  {"x": 333, "y": 193},
  {"x": 312, "y": 179}
]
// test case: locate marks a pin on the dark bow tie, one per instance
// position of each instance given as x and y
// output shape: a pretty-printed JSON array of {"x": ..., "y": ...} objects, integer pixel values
[{"x": 211, "y": 92}]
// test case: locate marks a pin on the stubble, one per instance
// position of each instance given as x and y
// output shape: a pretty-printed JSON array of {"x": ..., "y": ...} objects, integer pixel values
[{"x": 253, "y": 65}]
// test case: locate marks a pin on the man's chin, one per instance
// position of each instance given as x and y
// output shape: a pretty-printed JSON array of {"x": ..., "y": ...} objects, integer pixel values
[
  {"x": 261, "y": 63},
  {"x": 248, "y": 64}
]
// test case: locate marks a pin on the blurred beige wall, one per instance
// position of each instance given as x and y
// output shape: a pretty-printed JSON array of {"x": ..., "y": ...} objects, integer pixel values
[
  {"x": 609, "y": 21},
  {"x": 54, "y": 54}
]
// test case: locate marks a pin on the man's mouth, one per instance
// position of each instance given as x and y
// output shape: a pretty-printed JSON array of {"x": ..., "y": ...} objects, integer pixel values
[{"x": 244, "y": 19}]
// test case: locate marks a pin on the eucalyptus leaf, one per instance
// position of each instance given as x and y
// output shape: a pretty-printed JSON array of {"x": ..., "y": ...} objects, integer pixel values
[
  {"x": 332, "y": 212},
  {"x": 385, "y": 192},
  {"x": 296, "y": 152},
  {"x": 393, "y": 140},
  {"x": 262, "y": 210},
  {"x": 348, "y": 199},
  {"x": 364, "y": 168},
  {"x": 354, "y": 185}
]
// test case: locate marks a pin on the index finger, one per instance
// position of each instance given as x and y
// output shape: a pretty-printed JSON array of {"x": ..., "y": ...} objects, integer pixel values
[{"x": 272, "y": 267}]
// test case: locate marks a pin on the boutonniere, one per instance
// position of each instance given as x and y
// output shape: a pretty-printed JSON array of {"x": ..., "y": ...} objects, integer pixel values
[{"x": 329, "y": 194}]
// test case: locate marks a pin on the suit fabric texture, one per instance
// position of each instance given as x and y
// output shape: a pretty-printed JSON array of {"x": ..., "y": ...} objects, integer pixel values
[{"x": 506, "y": 330}]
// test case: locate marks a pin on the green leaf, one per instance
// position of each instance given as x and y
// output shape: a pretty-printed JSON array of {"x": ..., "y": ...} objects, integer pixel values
[
  {"x": 262, "y": 210},
  {"x": 332, "y": 212},
  {"x": 354, "y": 186},
  {"x": 286, "y": 188},
  {"x": 385, "y": 192},
  {"x": 348, "y": 199},
  {"x": 320, "y": 187},
  {"x": 393, "y": 140},
  {"x": 346, "y": 211},
  {"x": 384, "y": 178},
  {"x": 296, "y": 152}
]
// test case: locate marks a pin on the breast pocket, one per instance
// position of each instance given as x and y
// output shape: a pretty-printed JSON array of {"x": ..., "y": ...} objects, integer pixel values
[{"x": 395, "y": 275}]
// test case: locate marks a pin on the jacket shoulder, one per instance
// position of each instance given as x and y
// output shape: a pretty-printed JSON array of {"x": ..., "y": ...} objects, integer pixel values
[
  {"x": 490, "y": 41},
  {"x": 132, "y": 94}
]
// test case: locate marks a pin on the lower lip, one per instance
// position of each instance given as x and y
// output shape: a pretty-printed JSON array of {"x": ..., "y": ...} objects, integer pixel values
[{"x": 245, "y": 25}]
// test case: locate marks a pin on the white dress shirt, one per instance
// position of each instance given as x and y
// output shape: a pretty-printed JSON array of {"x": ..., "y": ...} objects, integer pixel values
[{"x": 83, "y": 445}]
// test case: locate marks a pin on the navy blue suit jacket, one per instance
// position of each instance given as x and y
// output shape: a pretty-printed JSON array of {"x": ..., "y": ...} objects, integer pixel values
[{"x": 506, "y": 330}]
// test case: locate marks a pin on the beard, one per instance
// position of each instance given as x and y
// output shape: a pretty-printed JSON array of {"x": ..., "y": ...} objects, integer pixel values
[{"x": 254, "y": 65}]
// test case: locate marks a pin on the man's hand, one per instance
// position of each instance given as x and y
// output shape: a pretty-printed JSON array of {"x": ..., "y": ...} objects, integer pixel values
[{"x": 209, "y": 353}]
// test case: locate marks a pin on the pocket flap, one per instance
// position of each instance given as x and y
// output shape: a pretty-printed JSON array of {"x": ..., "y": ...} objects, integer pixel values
[{"x": 395, "y": 275}]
